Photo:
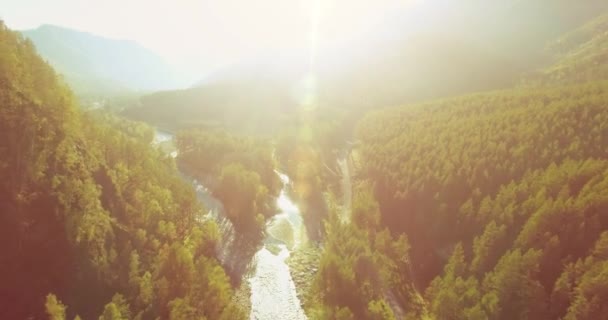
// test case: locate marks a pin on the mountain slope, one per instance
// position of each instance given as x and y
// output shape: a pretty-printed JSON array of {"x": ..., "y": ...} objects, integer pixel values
[
  {"x": 93, "y": 64},
  {"x": 250, "y": 107},
  {"x": 91, "y": 214},
  {"x": 503, "y": 194},
  {"x": 582, "y": 55}
]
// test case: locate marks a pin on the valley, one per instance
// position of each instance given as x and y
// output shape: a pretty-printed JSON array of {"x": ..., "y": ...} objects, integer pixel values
[{"x": 448, "y": 162}]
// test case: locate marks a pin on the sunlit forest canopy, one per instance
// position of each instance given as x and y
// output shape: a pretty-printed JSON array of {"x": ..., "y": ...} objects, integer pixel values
[{"x": 91, "y": 212}]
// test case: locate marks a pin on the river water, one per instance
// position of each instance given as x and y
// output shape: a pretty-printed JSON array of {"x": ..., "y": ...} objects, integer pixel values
[
  {"x": 273, "y": 291},
  {"x": 162, "y": 136}
]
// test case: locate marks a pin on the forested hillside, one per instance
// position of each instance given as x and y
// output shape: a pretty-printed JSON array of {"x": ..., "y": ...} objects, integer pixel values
[
  {"x": 92, "y": 215},
  {"x": 582, "y": 55},
  {"x": 503, "y": 195},
  {"x": 252, "y": 106}
]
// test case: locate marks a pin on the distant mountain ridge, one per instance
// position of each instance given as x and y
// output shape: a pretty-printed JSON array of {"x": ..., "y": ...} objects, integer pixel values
[
  {"x": 454, "y": 51},
  {"x": 582, "y": 55},
  {"x": 93, "y": 64}
]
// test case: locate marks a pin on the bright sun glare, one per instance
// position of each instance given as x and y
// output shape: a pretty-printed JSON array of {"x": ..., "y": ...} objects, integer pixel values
[{"x": 214, "y": 32}]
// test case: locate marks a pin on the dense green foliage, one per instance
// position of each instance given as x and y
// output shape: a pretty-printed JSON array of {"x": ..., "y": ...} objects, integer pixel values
[
  {"x": 92, "y": 213},
  {"x": 238, "y": 169},
  {"x": 433, "y": 163},
  {"x": 538, "y": 230},
  {"x": 511, "y": 185},
  {"x": 364, "y": 272}
]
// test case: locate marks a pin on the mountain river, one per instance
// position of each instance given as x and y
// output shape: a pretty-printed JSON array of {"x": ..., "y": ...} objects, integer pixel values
[{"x": 273, "y": 291}]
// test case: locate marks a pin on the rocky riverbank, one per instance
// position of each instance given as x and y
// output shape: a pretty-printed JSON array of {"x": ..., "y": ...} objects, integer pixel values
[{"x": 304, "y": 265}]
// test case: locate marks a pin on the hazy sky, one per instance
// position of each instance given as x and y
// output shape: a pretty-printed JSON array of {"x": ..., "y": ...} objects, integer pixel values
[{"x": 209, "y": 32}]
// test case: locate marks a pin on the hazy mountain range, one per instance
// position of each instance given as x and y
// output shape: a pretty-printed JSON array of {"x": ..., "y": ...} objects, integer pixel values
[
  {"x": 96, "y": 65},
  {"x": 437, "y": 49},
  {"x": 457, "y": 48}
]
